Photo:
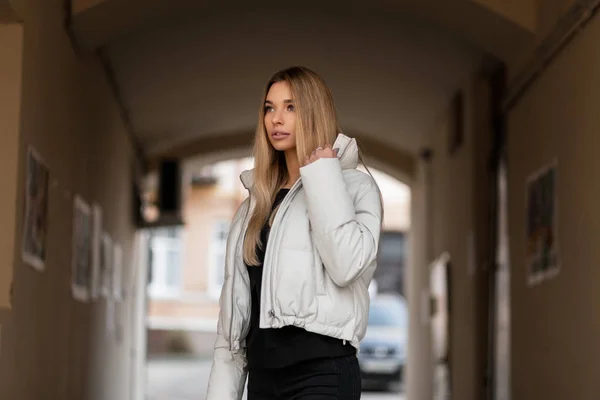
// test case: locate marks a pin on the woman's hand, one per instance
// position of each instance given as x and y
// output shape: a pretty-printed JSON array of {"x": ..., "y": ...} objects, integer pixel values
[{"x": 320, "y": 152}]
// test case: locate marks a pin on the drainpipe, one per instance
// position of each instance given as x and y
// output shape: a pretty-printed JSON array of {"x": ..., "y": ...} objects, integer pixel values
[
  {"x": 427, "y": 155},
  {"x": 496, "y": 82}
]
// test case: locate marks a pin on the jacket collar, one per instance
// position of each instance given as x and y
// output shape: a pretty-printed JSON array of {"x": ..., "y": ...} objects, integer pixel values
[{"x": 347, "y": 154}]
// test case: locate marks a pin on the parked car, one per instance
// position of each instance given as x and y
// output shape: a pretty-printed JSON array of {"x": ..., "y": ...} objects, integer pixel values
[{"x": 382, "y": 354}]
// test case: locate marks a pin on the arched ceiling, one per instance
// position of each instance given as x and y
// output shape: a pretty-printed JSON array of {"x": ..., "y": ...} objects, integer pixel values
[{"x": 195, "y": 76}]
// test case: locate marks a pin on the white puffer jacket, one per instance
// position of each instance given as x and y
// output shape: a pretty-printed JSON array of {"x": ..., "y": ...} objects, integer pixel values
[{"x": 319, "y": 261}]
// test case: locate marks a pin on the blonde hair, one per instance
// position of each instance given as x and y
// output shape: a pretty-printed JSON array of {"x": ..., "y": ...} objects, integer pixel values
[{"x": 316, "y": 125}]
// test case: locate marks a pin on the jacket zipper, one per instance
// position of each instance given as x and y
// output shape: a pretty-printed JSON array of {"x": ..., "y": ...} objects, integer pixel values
[
  {"x": 278, "y": 217},
  {"x": 267, "y": 264}
]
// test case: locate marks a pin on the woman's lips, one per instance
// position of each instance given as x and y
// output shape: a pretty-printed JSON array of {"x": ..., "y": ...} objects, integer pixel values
[{"x": 279, "y": 135}]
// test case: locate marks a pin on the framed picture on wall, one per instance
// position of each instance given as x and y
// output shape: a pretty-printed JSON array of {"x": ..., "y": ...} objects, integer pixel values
[
  {"x": 542, "y": 250},
  {"x": 117, "y": 275},
  {"x": 96, "y": 278},
  {"x": 82, "y": 250},
  {"x": 106, "y": 265},
  {"x": 35, "y": 226}
]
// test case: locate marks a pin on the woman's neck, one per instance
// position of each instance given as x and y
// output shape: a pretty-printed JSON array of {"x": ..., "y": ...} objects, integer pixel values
[{"x": 293, "y": 168}]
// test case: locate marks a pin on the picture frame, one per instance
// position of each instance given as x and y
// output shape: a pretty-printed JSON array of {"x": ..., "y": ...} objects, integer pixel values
[
  {"x": 81, "y": 257},
  {"x": 35, "y": 224},
  {"x": 541, "y": 219}
]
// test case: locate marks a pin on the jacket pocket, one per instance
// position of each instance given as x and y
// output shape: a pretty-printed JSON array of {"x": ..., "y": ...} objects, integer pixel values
[{"x": 295, "y": 283}]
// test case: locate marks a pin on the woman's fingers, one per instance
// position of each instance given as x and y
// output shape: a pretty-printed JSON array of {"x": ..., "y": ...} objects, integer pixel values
[
  {"x": 321, "y": 152},
  {"x": 326, "y": 152}
]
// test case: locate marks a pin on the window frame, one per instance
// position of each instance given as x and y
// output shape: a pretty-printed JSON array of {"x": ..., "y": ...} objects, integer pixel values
[{"x": 162, "y": 242}]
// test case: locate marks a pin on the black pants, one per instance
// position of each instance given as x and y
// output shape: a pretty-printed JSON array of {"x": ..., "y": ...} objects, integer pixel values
[{"x": 324, "y": 379}]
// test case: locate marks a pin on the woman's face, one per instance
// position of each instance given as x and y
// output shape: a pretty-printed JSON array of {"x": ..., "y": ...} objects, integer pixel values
[{"x": 280, "y": 117}]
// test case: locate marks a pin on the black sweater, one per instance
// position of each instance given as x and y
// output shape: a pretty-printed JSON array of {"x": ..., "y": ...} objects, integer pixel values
[{"x": 285, "y": 346}]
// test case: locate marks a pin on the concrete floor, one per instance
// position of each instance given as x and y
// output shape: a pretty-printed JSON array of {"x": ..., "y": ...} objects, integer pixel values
[{"x": 186, "y": 379}]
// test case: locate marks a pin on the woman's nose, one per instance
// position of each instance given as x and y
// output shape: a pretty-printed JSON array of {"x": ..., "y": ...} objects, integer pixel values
[{"x": 277, "y": 118}]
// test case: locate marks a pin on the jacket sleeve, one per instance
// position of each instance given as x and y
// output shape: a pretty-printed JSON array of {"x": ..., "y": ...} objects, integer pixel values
[
  {"x": 229, "y": 368},
  {"x": 228, "y": 373},
  {"x": 345, "y": 229}
]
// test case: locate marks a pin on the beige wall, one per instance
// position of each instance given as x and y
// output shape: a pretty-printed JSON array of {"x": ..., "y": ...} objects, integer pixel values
[
  {"x": 549, "y": 13},
  {"x": 78, "y": 6},
  {"x": 458, "y": 206},
  {"x": 208, "y": 310},
  {"x": 197, "y": 238},
  {"x": 556, "y": 325},
  {"x": 533, "y": 15},
  {"x": 54, "y": 347},
  {"x": 203, "y": 208},
  {"x": 7, "y": 14},
  {"x": 11, "y": 43},
  {"x": 521, "y": 12},
  {"x": 449, "y": 201},
  {"x": 396, "y": 200},
  {"x": 419, "y": 370}
]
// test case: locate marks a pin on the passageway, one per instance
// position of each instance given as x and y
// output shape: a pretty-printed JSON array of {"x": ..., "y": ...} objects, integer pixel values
[
  {"x": 186, "y": 278},
  {"x": 98, "y": 93}
]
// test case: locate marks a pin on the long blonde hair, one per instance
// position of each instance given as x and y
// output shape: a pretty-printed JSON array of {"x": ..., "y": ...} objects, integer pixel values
[{"x": 316, "y": 125}]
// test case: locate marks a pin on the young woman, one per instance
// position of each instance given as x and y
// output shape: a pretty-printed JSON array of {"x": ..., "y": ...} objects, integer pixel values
[{"x": 300, "y": 255}]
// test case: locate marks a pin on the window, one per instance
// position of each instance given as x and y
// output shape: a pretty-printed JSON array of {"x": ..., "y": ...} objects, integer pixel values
[
  {"x": 218, "y": 249},
  {"x": 166, "y": 263},
  {"x": 392, "y": 248}
]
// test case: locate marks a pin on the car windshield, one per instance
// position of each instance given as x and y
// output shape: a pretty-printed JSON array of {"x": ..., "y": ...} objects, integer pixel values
[{"x": 388, "y": 313}]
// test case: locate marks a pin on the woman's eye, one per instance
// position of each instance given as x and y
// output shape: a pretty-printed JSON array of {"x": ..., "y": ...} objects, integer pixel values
[
  {"x": 268, "y": 109},
  {"x": 291, "y": 107}
]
